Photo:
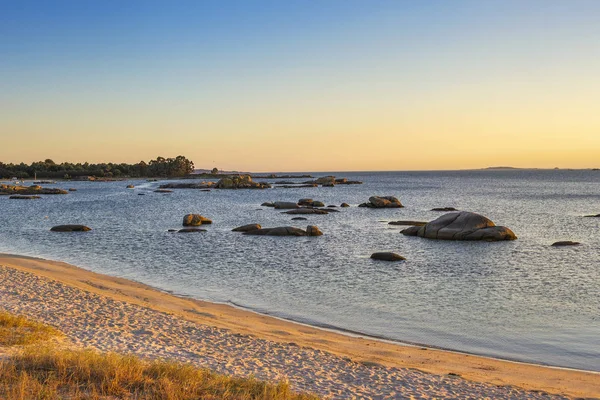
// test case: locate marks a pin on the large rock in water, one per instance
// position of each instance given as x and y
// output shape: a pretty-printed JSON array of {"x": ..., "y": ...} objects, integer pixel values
[
  {"x": 70, "y": 228},
  {"x": 286, "y": 231},
  {"x": 462, "y": 225},
  {"x": 247, "y": 228},
  {"x": 240, "y": 182},
  {"x": 195, "y": 220},
  {"x": 382, "y": 202}
]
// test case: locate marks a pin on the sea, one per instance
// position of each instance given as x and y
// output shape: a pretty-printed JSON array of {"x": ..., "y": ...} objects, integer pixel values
[{"x": 521, "y": 300}]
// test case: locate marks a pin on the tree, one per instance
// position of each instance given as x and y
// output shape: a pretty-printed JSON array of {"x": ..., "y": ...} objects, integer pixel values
[{"x": 215, "y": 171}]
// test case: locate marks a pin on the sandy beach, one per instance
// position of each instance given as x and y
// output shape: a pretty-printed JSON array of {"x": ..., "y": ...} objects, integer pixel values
[{"x": 113, "y": 314}]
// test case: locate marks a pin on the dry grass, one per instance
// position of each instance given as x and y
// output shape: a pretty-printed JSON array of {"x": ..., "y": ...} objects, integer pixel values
[
  {"x": 18, "y": 331},
  {"x": 43, "y": 371}
]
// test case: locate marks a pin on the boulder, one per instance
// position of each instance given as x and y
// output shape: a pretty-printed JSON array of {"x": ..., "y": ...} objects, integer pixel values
[
  {"x": 382, "y": 202},
  {"x": 246, "y": 228},
  {"x": 305, "y": 202},
  {"x": 312, "y": 230},
  {"x": 387, "y": 256},
  {"x": 195, "y": 220},
  {"x": 130, "y": 186},
  {"x": 565, "y": 243},
  {"x": 344, "y": 205},
  {"x": 190, "y": 230},
  {"x": 317, "y": 204},
  {"x": 410, "y": 223},
  {"x": 445, "y": 209},
  {"x": 461, "y": 226},
  {"x": 285, "y": 205},
  {"x": 240, "y": 182},
  {"x": 20, "y": 197},
  {"x": 70, "y": 228}
]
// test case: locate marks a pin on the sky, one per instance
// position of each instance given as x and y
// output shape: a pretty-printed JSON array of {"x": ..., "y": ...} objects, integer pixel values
[{"x": 307, "y": 85}]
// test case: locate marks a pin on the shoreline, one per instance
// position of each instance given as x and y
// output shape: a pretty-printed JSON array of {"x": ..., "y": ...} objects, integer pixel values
[{"x": 355, "y": 346}]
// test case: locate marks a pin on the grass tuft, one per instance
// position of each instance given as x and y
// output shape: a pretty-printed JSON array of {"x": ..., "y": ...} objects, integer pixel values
[{"x": 18, "y": 331}]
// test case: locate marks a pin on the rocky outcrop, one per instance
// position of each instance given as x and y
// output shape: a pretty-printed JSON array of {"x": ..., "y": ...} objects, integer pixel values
[
  {"x": 195, "y": 220},
  {"x": 461, "y": 226},
  {"x": 247, "y": 228},
  {"x": 387, "y": 256},
  {"x": 382, "y": 202},
  {"x": 240, "y": 182},
  {"x": 70, "y": 228},
  {"x": 34, "y": 190},
  {"x": 565, "y": 243},
  {"x": 408, "y": 223},
  {"x": 20, "y": 197},
  {"x": 286, "y": 231}
]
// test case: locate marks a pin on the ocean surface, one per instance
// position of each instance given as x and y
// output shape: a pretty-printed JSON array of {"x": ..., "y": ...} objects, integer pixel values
[{"x": 521, "y": 300}]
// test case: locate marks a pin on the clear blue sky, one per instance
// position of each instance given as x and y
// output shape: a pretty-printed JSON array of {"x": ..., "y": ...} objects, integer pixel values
[{"x": 243, "y": 80}]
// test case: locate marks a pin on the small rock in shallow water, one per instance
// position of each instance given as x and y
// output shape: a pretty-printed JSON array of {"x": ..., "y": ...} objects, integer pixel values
[
  {"x": 565, "y": 243},
  {"x": 70, "y": 228},
  {"x": 387, "y": 256}
]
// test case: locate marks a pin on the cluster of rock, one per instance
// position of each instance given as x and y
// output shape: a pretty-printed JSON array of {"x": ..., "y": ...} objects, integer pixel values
[
  {"x": 227, "y": 182},
  {"x": 461, "y": 226},
  {"x": 330, "y": 181},
  {"x": 382, "y": 202},
  {"x": 8, "y": 190},
  {"x": 303, "y": 206}
]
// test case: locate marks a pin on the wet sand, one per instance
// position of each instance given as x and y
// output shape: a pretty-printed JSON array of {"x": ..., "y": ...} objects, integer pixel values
[{"x": 114, "y": 314}]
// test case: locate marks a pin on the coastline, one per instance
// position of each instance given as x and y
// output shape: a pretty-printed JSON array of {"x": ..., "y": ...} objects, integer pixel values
[{"x": 364, "y": 350}]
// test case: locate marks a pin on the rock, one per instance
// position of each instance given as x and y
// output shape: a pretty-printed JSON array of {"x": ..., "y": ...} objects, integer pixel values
[
  {"x": 305, "y": 202},
  {"x": 345, "y": 205},
  {"x": 593, "y": 216},
  {"x": 190, "y": 230},
  {"x": 325, "y": 180},
  {"x": 163, "y": 191},
  {"x": 70, "y": 228},
  {"x": 141, "y": 194},
  {"x": 299, "y": 219},
  {"x": 446, "y": 209},
  {"x": 387, "y": 256},
  {"x": 20, "y": 197},
  {"x": 461, "y": 225},
  {"x": 72, "y": 190},
  {"x": 565, "y": 243},
  {"x": 246, "y": 228},
  {"x": 411, "y": 223},
  {"x": 301, "y": 211},
  {"x": 312, "y": 230},
  {"x": 331, "y": 206},
  {"x": 130, "y": 186},
  {"x": 284, "y": 183},
  {"x": 240, "y": 182},
  {"x": 266, "y": 204},
  {"x": 317, "y": 204},
  {"x": 195, "y": 220},
  {"x": 382, "y": 202},
  {"x": 285, "y": 205},
  {"x": 280, "y": 231},
  {"x": 328, "y": 185},
  {"x": 171, "y": 230},
  {"x": 298, "y": 186}
]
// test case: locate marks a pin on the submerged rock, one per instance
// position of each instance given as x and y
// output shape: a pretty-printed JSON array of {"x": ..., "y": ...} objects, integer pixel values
[
  {"x": 446, "y": 209},
  {"x": 285, "y": 205},
  {"x": 163, "y": 191},
  {"x": 190, "y": 230},
  {"x": 462, "y": 225},
  {"x": 286, "y": 231},
  {"x": 299, "y": 219},
  {"x": 21, "y": 197},
  {"x": 246, "y": 228},
  {"x": 410, "y": 223},
  {"x": 387, "y": 256},
  {"x": 565, "y": 243},
  {"x": 195, "y": 220},
  {"x": 70, "y": 228},
  {"x": 382, "y": 202},
  {"x": 307, "y": 211}
]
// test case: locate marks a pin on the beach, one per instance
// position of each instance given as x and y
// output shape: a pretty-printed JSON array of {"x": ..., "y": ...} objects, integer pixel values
[{"x": 114, "y": 314}]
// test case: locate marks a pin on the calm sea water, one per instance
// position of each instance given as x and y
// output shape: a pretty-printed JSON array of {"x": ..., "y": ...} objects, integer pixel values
[{"x": 521, "y": 300}]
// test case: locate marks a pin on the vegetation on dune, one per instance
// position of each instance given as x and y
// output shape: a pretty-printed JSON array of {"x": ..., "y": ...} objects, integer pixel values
[
  {"x": 44, "y": 371},
  {"x": 161, "y": 167}
]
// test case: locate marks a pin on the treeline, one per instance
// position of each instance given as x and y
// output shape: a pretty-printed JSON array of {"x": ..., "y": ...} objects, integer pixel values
[{"x": 161, "y": 167}]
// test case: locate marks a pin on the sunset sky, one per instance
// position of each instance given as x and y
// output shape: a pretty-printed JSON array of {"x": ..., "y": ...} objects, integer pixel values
[{"x": 303, "y": 85}]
